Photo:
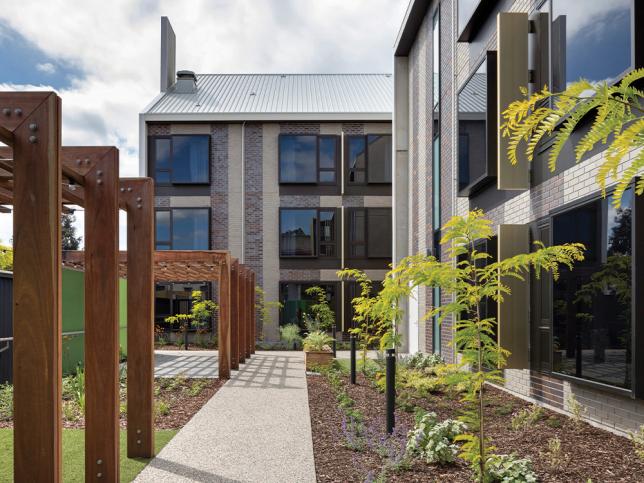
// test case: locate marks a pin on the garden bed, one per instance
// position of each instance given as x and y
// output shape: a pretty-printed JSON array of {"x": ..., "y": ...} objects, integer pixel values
[
  {"x": 586, "y": 452},
  {"x": 177, "y": 399}
]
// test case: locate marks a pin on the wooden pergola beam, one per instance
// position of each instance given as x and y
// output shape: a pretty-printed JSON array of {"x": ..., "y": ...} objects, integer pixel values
[
  {"x": 34, "y": 119},
  {"x": 253, "y": 324},
  {"x": 224, "y": 328},
  {"x": 6, "y": 136},
  {"x": 234, "y": 314},
  {"x": 243, "y": 313},
  {"x": 101, "y": 183},
  {"x": 137, "y": 195}
]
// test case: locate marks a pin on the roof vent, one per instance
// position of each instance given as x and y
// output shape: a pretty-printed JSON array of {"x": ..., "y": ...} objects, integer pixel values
[{"x": 186, "y": 82}]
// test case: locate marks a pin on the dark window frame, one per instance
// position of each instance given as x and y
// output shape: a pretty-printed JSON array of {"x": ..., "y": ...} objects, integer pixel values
[
  {"x": 365, "y": 170},
  {"x": 336, "y": 307},
  {"x": 160, "y": 319},
  {"x": 349, "y": 239},
  {"x": 169, "y": 243},
  {"x": 318, "y": 242},
  {"x": 152, "y": 170},
  {"x": 318, "y": 169},
  {"x": 637, "y": 309},
  {"x": 491, "y": 134}
]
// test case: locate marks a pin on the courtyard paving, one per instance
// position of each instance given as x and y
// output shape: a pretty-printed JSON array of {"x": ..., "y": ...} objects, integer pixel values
[{"x": 256, "y": 428}]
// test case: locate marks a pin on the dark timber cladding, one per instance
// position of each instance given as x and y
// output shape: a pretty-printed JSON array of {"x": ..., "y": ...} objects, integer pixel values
[{"x": 86, "y": 176}]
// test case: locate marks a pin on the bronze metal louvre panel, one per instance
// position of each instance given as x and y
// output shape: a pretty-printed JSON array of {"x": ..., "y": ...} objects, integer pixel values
[
  {"x": 512, "y": 74},
  {"x": 513, "y": 312}
]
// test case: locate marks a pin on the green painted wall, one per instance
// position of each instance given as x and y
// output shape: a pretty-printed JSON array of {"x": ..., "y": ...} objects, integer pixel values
[{"x": 73, "y": 317}]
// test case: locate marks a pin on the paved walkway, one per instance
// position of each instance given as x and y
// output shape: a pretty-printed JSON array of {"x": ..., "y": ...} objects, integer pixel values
[
  {"x": 171, "y": 363},
  {"x": 256, "y": 428}
]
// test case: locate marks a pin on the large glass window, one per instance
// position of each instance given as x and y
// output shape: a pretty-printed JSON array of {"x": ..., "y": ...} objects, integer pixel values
[
  {"x": 476, "y": 154},
  {"x": 183, "y": 229},
  {"x": 592, "y": 319},
  {"x": 370, "y": 233},
  {"x": 369, "y": 159},
  {"x": 296, "y": 303},
  {"x": 181, "y": 159},
  {"x": 591, "y": 39},
  {"x": 308, "y": 159},
  {"x": 307, "y": 232}
]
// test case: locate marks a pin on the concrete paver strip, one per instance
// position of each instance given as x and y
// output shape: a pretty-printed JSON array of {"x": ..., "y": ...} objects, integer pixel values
[{"x": 256, "y": 428}]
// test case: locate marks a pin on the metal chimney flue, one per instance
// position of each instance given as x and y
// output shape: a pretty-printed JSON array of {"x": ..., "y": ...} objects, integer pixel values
[{"x": 186, "y": 82}]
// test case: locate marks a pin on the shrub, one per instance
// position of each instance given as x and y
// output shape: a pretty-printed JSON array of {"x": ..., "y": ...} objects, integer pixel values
[
  {"x": 352, "y": 430},
  {"x": 526, "y": 418},
  {"x": 638, "y": 442},
  {"x": 290, "y": 333},
  {"x": 433, "y": 441},
  {"x": 6, "y": 402},
  {"x": 71, "y": 412},
  {"x": 162, "y": 408},
  {"x": 576, "y": 409},
  {"x": 504, "y": 409},
  {"x": 420, "y": 384},
  {"x": 197, "y": 387},
  {"x": 554, "y": 455},
  {"x": 422, "y": 361},
  {"x": 506, "y": 468},
  {"x": 554, "y": 422},
  {"x": 317, "y": 341}
]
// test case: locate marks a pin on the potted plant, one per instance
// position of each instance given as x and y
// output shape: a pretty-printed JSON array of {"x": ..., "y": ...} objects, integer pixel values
[{"x": 317, "y": 351}]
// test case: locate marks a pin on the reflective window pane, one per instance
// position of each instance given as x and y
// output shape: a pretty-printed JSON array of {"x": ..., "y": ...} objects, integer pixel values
[
  {"x": 592, "y": 303},
  {"x": 162, "y": 153},
  {"x": 190, "y": 159},
  {"x": 327, "y": 226},
  {"x": 436, "y": 59},
  {"x": 162, "y": 226},
  {"x": 379, "y": 158},
  {"x": 328, "y": 152},
  {"x": 298, "y": 230},
  {"x": 379, "y": 233},
  {"x": 327, "y": 176},
  {"x": 472, "y": 112},
  {"x": 357, "y": 152},
  {"x": 591, "y": 39},
  {"x": 190, "y": 229},
  {"x": 298, "y": 159},
  {"x": 436, "y": 184},
  {"x": 162, "y": 177}
]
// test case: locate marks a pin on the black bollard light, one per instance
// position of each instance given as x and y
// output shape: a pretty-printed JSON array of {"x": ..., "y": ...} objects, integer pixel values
[
  {"x": 352, "y": 341},
  {"x": 390, "y": 389},
  {"x": 334, "y": 341}
]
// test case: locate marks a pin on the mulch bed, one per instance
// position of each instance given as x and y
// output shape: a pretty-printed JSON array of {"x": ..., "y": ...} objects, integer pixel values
[
  {"x": 174, "y": 392},
  {"x": 588, "y": 452}
]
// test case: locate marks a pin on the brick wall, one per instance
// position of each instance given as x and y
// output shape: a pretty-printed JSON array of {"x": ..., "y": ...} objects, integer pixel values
[{"x": 458, "y": 61}]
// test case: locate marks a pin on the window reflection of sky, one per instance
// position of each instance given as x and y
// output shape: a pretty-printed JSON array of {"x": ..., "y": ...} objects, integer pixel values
[{"x": 598, "y": 38}]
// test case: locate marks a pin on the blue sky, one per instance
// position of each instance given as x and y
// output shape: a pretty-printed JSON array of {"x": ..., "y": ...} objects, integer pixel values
[
  {"x": 103, "y": 57},
  {"x": 24, "y": 63}
]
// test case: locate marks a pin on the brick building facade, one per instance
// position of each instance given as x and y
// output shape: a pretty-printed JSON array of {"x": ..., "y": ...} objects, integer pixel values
[{"x": 467, "y": 39}]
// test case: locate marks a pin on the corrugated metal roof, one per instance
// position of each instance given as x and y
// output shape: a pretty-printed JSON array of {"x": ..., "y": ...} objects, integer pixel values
[
  {"x": 472, "y": 97},
  {"x": 280, "y": 94}
]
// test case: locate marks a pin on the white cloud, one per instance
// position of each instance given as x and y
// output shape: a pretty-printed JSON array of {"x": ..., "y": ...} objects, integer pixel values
[
  {"x": 116, "y": 45},
  {"x": 46, "y": 68}
]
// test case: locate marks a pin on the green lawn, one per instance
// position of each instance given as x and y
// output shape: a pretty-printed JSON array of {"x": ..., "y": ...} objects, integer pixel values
[{"x": 74, "y": 455}]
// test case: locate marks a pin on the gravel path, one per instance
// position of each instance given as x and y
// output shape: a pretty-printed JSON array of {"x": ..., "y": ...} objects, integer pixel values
[{"x": 255, "y": 429}]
